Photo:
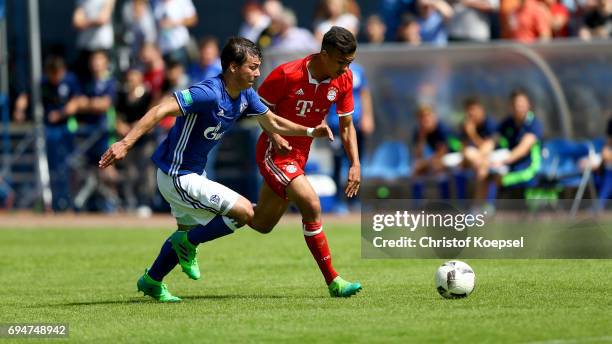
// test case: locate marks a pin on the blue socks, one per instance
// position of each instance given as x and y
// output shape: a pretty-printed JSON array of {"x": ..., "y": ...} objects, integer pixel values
[
  {"x": 167, "y": 259},
  {"x": 218, "y": 227},
  {"x": 165, "y": 262}
]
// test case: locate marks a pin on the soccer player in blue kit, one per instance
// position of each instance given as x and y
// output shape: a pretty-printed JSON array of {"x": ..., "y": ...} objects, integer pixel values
[{"x": 204, "y": 210}]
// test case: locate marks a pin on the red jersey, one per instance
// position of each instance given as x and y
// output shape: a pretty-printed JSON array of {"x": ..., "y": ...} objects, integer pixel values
[{"x": 294, "y": 94}]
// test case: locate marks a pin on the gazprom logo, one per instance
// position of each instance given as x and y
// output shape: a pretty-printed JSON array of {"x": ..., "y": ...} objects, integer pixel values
[
  {"x": 212, "y": 133},
  {"x": 187, "y": 97}
]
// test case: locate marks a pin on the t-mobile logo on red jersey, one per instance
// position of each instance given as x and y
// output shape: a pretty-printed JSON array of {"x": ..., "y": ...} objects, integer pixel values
[{"x": 303, "y": 106}]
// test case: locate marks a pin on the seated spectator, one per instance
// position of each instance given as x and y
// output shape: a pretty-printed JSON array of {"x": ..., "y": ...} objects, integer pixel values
[
  {"x": 60, "y": 91},
  {"x": 431, "y": 142},
  {"x": 96, "y": 119},
  {"x": 432, "y": 16},
  {"x": 133, "y": 101},
  {"x": 477, "y": 137},
  {"x": 209, "y": 63},
  {"x": 255, "y": 21},
  {"x": 375, "y": 30},
  {"x": 153, "y": 67},
  {"x": 471, "y": 21},
  {"x": 138, "y": 26},
  {"x": 559, "y": 18},
  {"x": 174, "y": 17},
  {"x": 334, "y": 13},
  {"x": 597, "y": 22},
  {"x": 283, "y": 34},
  {"x": 93, "y": 21},
  {"x": 521, "y": 132},
  {"x": 409, "y": 30},
  {"x": 527, "y": 22}
]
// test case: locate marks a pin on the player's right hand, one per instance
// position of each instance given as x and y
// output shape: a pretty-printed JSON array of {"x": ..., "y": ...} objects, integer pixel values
[
  {"x": 281, "y": 146},
  {"x": 323, "y": 130},
  {"x": 116, "y": 152}
]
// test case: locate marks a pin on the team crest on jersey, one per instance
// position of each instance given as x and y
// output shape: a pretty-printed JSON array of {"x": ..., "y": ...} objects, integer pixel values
[
  {"x": 214, "y": 199},
  {"x": 332, "y": 93},
  {"x": 290, "y": 168}
]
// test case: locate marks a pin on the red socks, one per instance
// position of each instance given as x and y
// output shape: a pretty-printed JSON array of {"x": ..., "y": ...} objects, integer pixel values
[{"x": 317, "y": 243}]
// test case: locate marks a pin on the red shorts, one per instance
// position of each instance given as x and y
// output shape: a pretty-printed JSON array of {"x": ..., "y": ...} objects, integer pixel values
[{"x": 278, "y": 170}]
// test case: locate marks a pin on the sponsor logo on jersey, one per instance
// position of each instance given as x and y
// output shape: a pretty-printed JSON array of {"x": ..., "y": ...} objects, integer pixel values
[
  {"x": 212, "y": 133},
  {"x": 303, "y": 106},
  {"x": 332, "y": 93}
]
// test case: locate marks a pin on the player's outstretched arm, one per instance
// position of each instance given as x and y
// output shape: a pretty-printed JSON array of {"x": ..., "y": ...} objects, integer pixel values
[
  {"x": 168, "y": 107},
  {"x": 278, "y": 125}
]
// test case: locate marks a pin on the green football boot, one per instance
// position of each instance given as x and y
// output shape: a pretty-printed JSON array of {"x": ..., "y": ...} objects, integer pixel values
[
  {"x": 341, "y": 288},
  {"x": 157, "y": 290},
  {"x": 186, "y": 253}
]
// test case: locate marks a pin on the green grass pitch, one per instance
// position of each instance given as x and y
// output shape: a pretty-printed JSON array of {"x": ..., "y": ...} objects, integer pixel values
[{"x": 257, "y": 288}]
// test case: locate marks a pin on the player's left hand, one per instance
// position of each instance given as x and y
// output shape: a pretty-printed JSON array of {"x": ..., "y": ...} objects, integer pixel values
[
  {"x": 354, "y": 180},
  {"x": 323, "y": 130},
  {"x": 116, "y": 152}
]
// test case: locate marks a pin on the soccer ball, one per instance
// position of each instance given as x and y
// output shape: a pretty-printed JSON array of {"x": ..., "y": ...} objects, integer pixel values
[{"x": 455, "y": 279}]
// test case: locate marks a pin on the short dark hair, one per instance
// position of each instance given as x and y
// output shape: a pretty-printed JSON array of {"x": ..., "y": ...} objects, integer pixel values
[
  {"x": 54, "y": 63},
  {"x": 237, "y": 50},
  {"x": 339, "y": 39},
  {"x": 471, "y": 101},
  {"x": 517, "y": 92}
]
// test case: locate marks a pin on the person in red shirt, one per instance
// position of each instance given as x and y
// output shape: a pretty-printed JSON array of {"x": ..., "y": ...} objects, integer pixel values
[{"x": 302, "y": 91}]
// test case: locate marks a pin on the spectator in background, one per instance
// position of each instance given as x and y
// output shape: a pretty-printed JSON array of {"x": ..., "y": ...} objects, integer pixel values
[
  {"x": 255, "y": 21},
  {"x": 391, "y": 12},
  {"x": 174, "y": 17},
  {"x": 209, "y": 63},
  {"x": 93, "y": 21},
  {"x": 409, "y": 30},
  {"x": 334, "y": 13},
  {"x": 432, "y": 16},
  {"x": 605, "y": 189},
  {"x": 97, "y": 120},
  {"x": 139, "y": 27},
  {"x": 527, "y": 21},
  {"x": 559, "y": 18},
  {"x": 60, "y": 93},
  {"x": 153, "y": 66},
  {"x": 471, "y": 21},
  {"x": 175, "y": 80},
  {"x": 283, "y": 34},
  {"x": 430, "y": 144},
  {"x": 477, "y": 138},
  {"x": 134, "y": 100},
  {"x": 597, "y": 22},
  {"x": 375, "y": 30},
  {"x": 521, "y": 133}
]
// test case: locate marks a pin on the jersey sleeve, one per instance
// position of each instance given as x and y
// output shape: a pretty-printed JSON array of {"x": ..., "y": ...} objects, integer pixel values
[
  {"x": 255, "y": 106},
  {"x": 345, "y": 105},
  {"x": 270, "y": 89},
  {"x": 195, "y": 98},
  {"x": 536, "y": 129}
]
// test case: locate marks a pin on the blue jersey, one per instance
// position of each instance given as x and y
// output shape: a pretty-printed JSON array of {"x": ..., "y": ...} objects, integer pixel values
[
  {"x": 438, "y": 137},
  {"x": 512, "y": 133},
  {"x": 485, "y": 130},
  {"x": 55, "y": 97},
  {"x": 105, "y": 87},
  {"x": 207, "y": 112}
]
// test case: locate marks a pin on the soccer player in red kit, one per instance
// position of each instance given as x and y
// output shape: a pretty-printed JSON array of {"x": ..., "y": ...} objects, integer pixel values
[{"x": 302, "y": 91}]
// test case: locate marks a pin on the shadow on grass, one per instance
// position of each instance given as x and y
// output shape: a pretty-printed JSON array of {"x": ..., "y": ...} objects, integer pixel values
[{"x": 147, "y": 300}]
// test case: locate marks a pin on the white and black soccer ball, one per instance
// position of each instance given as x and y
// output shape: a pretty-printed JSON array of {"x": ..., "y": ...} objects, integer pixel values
[{"x": 455, "y": 279}]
